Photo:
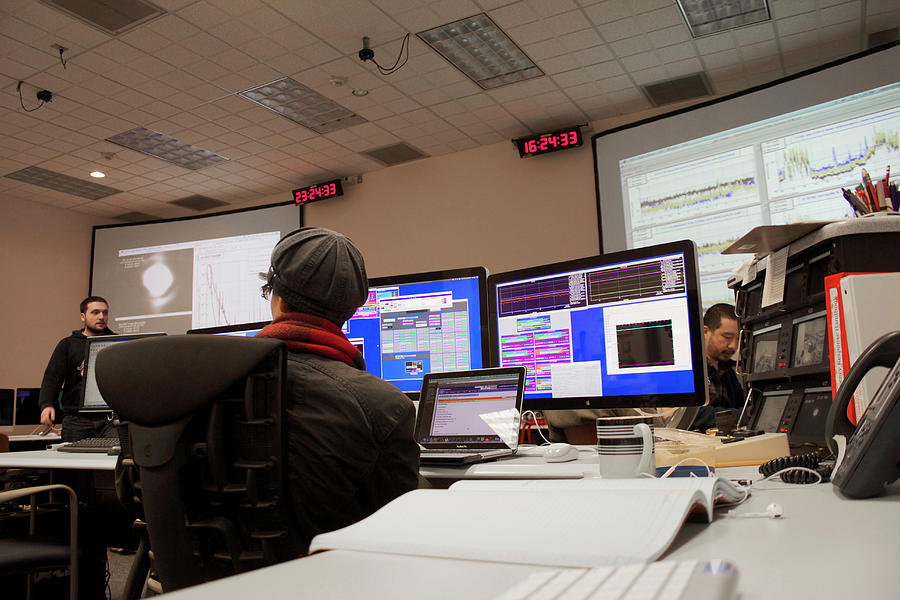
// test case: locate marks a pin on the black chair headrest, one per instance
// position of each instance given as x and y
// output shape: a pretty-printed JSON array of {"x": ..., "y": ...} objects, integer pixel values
[{"x": 158, "y": 380}]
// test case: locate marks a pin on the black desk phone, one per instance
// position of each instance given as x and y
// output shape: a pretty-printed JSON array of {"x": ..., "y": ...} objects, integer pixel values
[{"x": 872, "y": 458}]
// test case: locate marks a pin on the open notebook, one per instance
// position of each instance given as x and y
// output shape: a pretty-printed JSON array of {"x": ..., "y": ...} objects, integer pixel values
[
  {"x": 583, "y": 523},
  {"x": 469, "y": 416}
]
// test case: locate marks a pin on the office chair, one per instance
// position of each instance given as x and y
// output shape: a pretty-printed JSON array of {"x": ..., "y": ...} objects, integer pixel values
[
  {"x": 33, "y": 553},
  {"x": 203, "y": 452}
]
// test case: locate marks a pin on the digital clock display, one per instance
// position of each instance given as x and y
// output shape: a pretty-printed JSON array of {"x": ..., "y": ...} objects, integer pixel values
[
  {"x": 319, "y": 191},
  {"x": 549, "y": 142}
]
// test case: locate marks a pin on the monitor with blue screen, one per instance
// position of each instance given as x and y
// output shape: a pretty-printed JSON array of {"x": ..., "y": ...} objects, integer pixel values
[
  {"x": 618, "y": 330},
  {"x": 423, "y": 322}
]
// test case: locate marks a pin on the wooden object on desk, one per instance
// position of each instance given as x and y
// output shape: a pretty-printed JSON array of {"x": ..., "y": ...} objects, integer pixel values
[{"x": 680, "y": 444}]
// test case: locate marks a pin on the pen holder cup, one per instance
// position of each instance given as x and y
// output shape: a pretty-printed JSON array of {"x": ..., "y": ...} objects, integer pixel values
[{"x": 625, "y": 447}]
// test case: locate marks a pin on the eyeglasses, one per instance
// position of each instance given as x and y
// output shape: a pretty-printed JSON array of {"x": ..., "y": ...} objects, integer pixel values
[{"x": 266, "y": 288}]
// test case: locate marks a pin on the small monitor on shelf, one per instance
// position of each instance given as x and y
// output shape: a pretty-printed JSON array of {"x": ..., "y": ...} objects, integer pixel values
[
  {"x": 91, "y": 399},
  {"x": 28, "y": 407},
  {"x": 7, "y": 406},
  {"x": 422, "y": 322},
  {"x": 612, "y": 331}
]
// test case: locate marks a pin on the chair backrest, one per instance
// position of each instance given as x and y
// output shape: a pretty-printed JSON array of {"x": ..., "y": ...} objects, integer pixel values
[{"x": 203, "y": 448}]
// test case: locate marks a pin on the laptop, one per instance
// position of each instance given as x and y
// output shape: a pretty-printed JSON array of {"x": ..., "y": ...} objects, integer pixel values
[{"x": 469, "y": 416}]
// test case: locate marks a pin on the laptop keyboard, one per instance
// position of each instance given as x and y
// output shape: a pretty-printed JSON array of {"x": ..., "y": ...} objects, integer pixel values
[
  {"x": 687, "y": 579},
  {"x": 91, "y": 444}
]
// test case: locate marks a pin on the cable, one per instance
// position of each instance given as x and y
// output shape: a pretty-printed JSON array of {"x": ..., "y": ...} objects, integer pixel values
[
  {"x": 367, "y": 54},
  {"x": 800, "y": 468},
  {"x": 534, "y": 418},
  {"x": 22, "y": 102}
]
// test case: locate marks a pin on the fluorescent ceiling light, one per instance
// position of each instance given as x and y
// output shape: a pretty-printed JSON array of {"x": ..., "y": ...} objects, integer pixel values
[
  {"x": 62, "y": 183},
  {"x": 98, "y": 174},
  {"x": 167, "y": 148},
  {"x": 295, "y": 101},
  {"x": 705, "y": 17},
  {"x": 482, "y": 51}
]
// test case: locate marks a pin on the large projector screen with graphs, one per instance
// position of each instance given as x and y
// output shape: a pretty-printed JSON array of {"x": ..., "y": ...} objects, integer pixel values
[
  {"x": 172, "y": 276},
  {"x": 773, "y": 156}
]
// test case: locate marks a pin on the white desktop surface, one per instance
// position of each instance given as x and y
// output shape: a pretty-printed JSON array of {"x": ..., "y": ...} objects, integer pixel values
[
  {"x": 825, "y": 546},
  {"x": 54, "y": 459}
]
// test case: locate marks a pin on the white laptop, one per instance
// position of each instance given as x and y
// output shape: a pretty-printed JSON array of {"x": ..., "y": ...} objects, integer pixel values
[{"x": 470, "y": 416}]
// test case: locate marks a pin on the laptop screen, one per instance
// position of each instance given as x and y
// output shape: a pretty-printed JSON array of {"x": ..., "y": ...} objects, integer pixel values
[
  {"x": 91, "y": 400},
  {"x": 478, "y": 408}
]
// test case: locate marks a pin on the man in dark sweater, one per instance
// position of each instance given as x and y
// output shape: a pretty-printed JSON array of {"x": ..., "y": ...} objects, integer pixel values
[
  {"x": 350, "y": 443},
  {"x": 720, "y": 333},
  {"x": 65, "y": 371}
]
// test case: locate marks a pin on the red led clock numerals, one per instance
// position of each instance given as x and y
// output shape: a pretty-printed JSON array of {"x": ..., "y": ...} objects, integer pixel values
[
  {"x": 319, "y": 191},
  {"x": 549, "y": 142}
]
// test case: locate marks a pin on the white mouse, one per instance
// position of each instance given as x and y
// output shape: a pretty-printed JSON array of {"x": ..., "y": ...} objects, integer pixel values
[{"x": 560, "y": 452}]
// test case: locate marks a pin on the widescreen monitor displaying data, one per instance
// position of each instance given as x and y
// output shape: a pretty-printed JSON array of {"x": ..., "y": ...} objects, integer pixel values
[
  {"x": 618, "y": 330},
  {"x": 178, "y": 275},
  {"x": 771, "y": 156},
  {"x": 415, "y": 324}
]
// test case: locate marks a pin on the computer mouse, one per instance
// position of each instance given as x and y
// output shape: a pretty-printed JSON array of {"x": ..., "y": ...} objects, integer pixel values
[{"x": 560, "y": 452}]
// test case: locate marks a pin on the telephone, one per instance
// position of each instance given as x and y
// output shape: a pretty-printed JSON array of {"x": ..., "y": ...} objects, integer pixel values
[{"x": 872, "y": 457}]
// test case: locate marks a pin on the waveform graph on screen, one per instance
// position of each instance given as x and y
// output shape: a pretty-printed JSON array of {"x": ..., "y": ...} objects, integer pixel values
[
  {"x": 832, "y": 156},
  {"x": 645, "y": 344},
  {"x": 541, "y": 295},
  {"x": 227, "y": 282},
  {"x": 693, "y": 189}
]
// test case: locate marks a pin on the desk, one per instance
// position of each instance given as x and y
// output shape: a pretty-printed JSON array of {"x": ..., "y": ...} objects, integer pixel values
[
  {"x": 54, "y": 459},
  {"x": 529, "y": 463},
  {"x": 825, "y": 546}
]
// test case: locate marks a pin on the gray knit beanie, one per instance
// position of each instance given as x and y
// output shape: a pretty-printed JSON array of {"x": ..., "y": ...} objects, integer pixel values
[{"x": 320, "y": 272}]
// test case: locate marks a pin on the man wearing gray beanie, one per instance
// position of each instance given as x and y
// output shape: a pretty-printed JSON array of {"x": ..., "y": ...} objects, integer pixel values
[{"x": 350, "y": 444}]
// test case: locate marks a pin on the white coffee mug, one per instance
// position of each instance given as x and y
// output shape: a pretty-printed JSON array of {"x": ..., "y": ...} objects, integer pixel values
[{"x": 625, "y": 447}]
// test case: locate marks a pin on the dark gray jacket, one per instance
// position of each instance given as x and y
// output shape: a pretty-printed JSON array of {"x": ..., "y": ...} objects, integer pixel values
[{"x": 350, "y": 447}]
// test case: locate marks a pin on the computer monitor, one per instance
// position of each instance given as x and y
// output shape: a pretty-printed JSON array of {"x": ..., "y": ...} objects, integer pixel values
[
  {"x": 28, "y": 407},
  {"x": 611, "y": 331},
  {"x": 241, "y": 330},
  {"x": 7, "y": 406},
  {"x": 91, "y": 399},
  {"x": 422, "y": 322}
]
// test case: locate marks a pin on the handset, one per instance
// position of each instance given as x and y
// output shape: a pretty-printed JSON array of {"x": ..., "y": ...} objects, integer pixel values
[
  {"x": 883, "y": 352},
  {"x": 872, "y": 456}
]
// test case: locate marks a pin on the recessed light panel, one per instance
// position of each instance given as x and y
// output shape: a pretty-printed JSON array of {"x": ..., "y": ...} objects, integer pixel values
[
  {"x": 705, "y": 17},
  {"x": 167, "y": 148},
  {"x": 482, "y": 51},
  {"x": 113, "y": 17},
  {"x": 62, "y": 183},
  {"x": 295, "y": 101}
]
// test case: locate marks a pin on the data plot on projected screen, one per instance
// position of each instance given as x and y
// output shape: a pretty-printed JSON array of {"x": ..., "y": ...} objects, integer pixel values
[
  {"x": 832, "y": 156},
  {"x": 226, "y": 279},
  {"x": 693, "y": 189},
  {"x": 821, "y": 206}
]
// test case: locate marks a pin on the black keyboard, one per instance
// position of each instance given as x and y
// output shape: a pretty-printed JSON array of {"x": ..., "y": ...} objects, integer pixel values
[{"x": 104, "y": 445}]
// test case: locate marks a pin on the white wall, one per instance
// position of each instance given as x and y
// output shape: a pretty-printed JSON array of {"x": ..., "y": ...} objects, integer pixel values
[
  {"x": 484, "y": 206},
  {"x": 45, "y": 268}
]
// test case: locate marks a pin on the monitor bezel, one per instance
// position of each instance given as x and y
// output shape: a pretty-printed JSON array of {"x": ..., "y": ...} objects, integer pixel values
[
  {"x": 89, "y": 372},
  {"x": 224, "y": 329},
  {"x": 479, "y": 272},
  {"x": 698, "y": 357}
]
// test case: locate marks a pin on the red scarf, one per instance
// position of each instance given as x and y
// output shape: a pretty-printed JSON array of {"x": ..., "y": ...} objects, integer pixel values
[{"x": 308, "y": 333}]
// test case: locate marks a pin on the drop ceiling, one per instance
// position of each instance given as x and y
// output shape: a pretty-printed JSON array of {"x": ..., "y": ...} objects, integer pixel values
[{"x": 180, "y": 74}]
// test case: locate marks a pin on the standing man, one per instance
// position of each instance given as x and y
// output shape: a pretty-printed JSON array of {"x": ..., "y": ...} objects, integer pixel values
[
  {"x": 66, "y": 369},
  {"x": 720, "y": 334},
  {"x": 350, "y": 446}
]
